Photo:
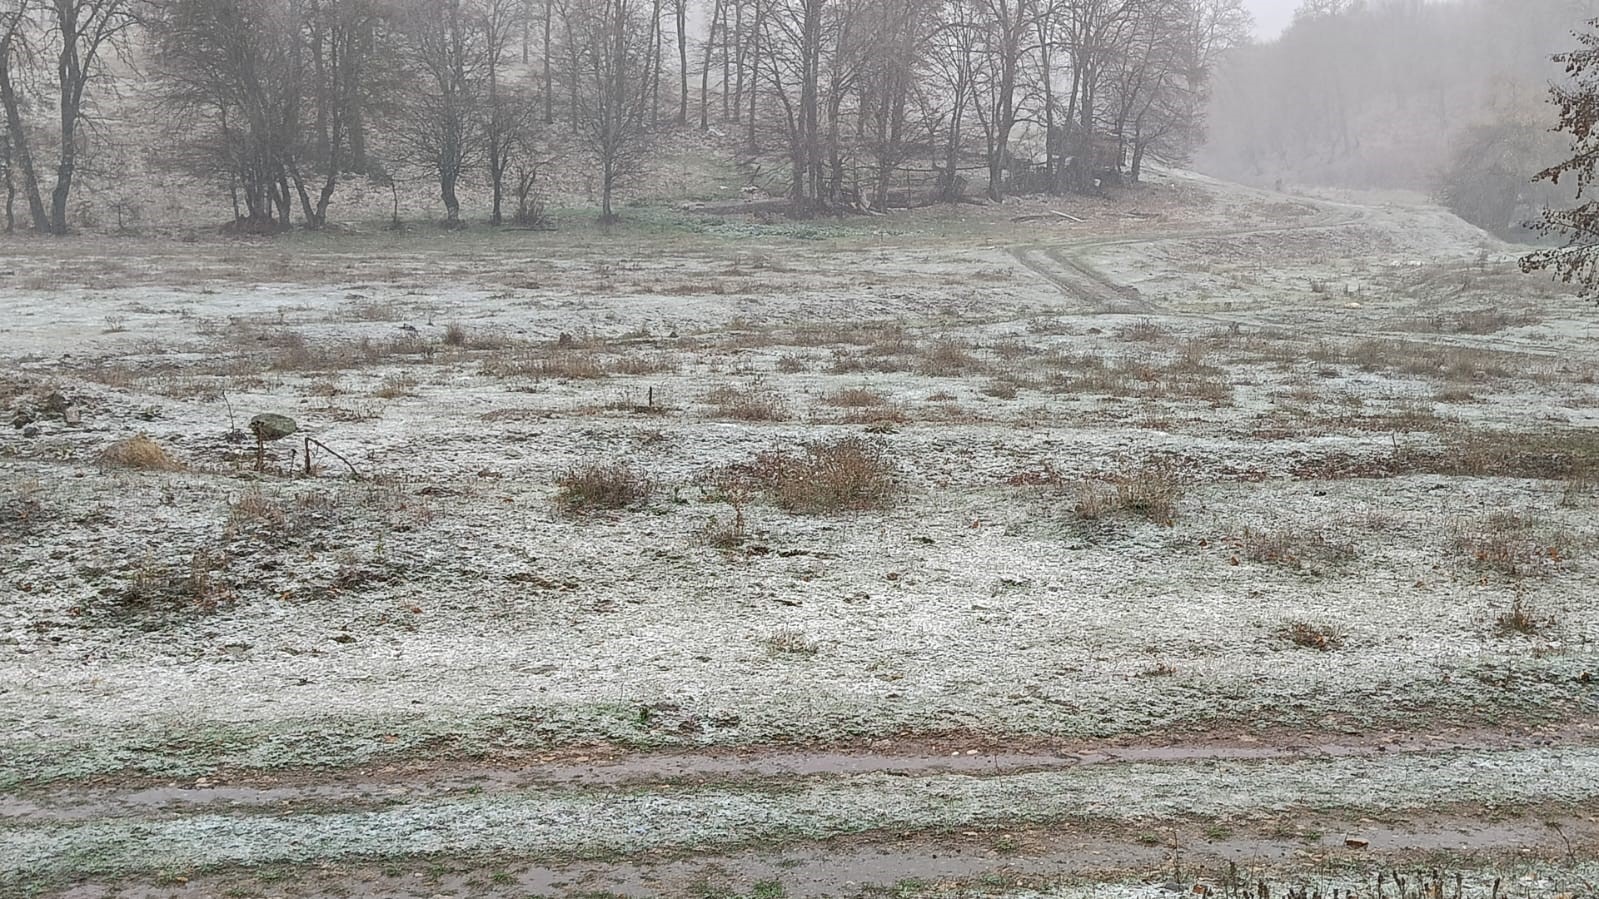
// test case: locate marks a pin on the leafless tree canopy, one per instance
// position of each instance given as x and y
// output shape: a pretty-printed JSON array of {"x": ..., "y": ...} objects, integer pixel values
[{"x": 859, "y": 104}]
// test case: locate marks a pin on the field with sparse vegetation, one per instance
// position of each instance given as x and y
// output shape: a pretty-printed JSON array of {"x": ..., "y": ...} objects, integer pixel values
[{"x": 1225, "y": 542}]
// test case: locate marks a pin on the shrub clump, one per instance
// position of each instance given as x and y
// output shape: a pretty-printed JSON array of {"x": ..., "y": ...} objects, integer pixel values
[
  {"x": 849, "y": 474},
  {"x": 600, "y": 486}
]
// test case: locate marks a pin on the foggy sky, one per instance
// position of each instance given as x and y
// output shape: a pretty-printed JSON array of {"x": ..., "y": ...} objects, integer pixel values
[{"x": 1271, "y": 16}]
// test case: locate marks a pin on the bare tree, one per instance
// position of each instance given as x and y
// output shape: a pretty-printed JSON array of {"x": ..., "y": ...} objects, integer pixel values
[
  {"x": 16, "y": 54},
  {"x": 508, "y": 114},
  {"x": 79, "y": 35},
  {"x": 439, "y": 121},
  {"x": 611, "y": 51},
  {"x": 1005, "y": 31}
]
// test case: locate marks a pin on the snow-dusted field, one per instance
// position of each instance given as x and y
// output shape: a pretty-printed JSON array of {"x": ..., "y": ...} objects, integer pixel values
[{"x": 1377, "y": 434}]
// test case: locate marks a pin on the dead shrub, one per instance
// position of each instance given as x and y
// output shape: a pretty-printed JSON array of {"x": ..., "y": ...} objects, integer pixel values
[
  {"x": 848, "y": 474},
  {"x": 139, "y": 453},
  {"x": 601, "y": 486},
  {"x": 455, "y": 335}
]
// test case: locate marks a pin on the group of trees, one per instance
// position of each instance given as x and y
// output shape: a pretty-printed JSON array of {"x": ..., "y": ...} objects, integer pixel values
[
  {"x": 1047, "y": 95},
  {"x": 865, "y": 103}
]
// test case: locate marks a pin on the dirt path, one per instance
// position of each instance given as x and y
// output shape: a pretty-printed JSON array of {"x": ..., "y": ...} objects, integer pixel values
[
  {"x": 826, "y": 822},
  {"x": 1181, "y": 853},
  {"x": 603, "y": 768},
  {"x": 1070, "y": 268}
]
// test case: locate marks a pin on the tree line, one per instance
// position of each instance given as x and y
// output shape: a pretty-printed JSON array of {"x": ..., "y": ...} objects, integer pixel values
[{"x": 861, "y": 104}]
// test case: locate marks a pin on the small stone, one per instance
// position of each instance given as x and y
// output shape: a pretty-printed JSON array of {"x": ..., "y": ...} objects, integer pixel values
[
  {"x": 73, "y": 416},
  {"x": 30, "y": 431},
  {"x": 1356, "y": 843}
]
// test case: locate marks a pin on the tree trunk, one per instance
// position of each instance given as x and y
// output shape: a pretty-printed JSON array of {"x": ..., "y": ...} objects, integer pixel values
[
  {"x": 549, "y": 82},
  {"x": 717, "y": 15},
  {"x": 682, "y": 61},
  {"x": 19, "y": 142},
  {"x": 755, "y": 62},
  {"x": 452, "y": 205}
]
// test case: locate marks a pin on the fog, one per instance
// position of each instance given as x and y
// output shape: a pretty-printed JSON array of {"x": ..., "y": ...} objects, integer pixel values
[
  {"x": 1271, "y": 16},
  {"x": 1447, "y": 98}
]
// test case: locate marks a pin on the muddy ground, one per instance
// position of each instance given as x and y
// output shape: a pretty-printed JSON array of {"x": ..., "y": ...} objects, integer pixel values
[{"x": 1221, "y": 528}]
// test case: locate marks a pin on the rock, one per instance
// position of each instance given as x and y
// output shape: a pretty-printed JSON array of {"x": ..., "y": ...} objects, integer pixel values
[
  {"x": 269, "y": 426},
  {"x": 1356, "y": 843},
  {"x": 30, "y": 431},
  {"x": 72, "y": 415}
]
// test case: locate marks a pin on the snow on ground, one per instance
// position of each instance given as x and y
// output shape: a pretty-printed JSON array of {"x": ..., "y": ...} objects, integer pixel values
[{"x": 449, "y": 604}]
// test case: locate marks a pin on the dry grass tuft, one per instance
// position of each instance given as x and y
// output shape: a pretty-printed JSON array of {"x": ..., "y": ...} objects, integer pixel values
[
  {"x": 791, "y": 642},
  {"x": 753, "y": 403},
  {"x": 855, "y": 398},
  {"x": 1151, "y": 492},
  {"x": 1520, "y": 618},
  {"x": 1293, "y": 548},
  {"x": 849, "y": 474},
  {"x": 191, "y": 587},
  {"x": 1310, "y": 635},
  {"x": 601, "y": 486},
  {"x": 139, "y": 453},
  {"x": 1515, "y": 544},
  {"x": 948, "y": 359}
]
